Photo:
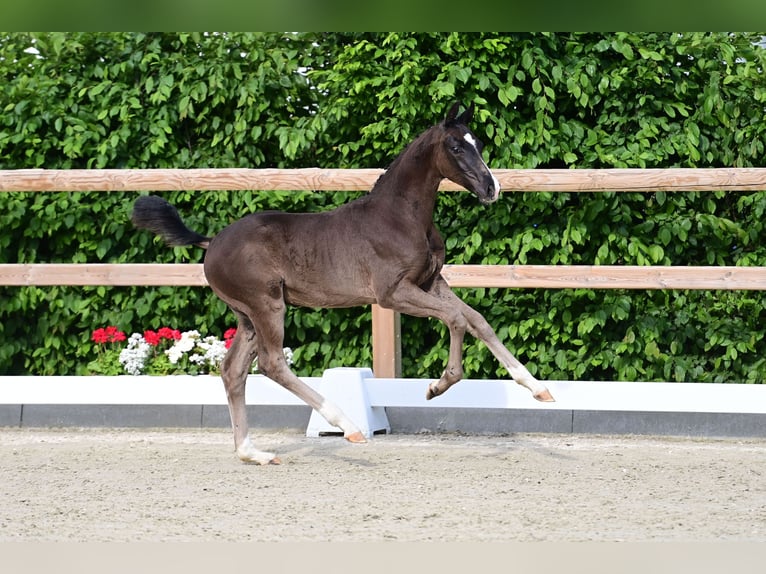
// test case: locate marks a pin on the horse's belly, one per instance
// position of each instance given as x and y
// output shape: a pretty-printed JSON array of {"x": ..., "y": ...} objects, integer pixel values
[{"x": 326, "y": 298}]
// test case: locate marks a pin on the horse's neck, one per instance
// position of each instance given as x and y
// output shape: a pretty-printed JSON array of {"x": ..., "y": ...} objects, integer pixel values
[{"x": 410, "y": 184}]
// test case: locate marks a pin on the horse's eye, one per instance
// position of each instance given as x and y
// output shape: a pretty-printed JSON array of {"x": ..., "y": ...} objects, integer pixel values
[{"x": 456, "y": 149}]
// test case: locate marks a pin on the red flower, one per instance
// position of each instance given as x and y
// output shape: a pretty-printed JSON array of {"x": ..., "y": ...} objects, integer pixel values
[
  {"x": 107, "y": 335},
  {"x": 228, "y": 337},
  {"x": 99, "y": 336},
  {"x": 152, "y": 338},
  {"x": 117, "y": 336},
  {"x": 168, "y": 333}
]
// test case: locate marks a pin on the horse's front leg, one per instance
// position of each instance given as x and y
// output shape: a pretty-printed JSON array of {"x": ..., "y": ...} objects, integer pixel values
[
  {"x": 412, "y": 300},
  {"x": 454, "y": 370},
  {"x": 478, "y": 326}
]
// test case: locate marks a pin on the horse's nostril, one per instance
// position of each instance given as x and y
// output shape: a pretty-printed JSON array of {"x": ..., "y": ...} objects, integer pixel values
[{"x": 492, "y": 191}]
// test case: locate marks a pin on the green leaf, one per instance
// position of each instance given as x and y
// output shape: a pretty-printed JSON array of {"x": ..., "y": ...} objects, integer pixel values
[{"x": 570, "y": 158}]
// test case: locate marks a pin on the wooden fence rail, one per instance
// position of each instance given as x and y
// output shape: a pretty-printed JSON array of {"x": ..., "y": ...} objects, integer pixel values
[
  {"x": 505, "y": 276},
  {"x": 385, "y": 323},
  {"x": 317, "y": 179}
]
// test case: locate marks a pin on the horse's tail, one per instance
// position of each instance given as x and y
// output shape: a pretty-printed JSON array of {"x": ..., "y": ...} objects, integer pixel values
[{"x": 153, "y": 213}]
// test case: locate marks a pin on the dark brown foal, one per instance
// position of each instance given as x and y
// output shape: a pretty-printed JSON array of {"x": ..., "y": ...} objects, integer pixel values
[{"x": 381, "y": 248}]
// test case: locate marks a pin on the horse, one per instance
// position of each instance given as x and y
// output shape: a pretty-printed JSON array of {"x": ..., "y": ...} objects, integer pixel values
[{"x": 380, "y": 248}]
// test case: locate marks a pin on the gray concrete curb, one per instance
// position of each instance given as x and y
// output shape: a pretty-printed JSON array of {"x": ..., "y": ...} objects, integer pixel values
[{"x": 402, "y": 419}]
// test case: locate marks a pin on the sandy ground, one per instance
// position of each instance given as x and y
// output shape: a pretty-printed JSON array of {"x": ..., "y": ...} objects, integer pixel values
[{"x": 180, "y": 485}]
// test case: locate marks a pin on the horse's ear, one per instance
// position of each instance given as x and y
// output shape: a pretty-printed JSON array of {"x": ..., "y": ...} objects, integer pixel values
[
  {"x": 452, "y": 113},
  {"x": 466, "y": 117}
]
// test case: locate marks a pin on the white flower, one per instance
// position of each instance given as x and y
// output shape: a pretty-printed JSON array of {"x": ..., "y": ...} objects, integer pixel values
[
  {"x": 214, "y": 351},
  {"x": 207, "y": 353},
  {"x": 183, "y": 345},
  {"x": 133, "y": 357}
]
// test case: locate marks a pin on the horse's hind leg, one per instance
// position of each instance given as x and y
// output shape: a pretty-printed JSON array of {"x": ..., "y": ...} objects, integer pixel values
[
  {"x": 269, "y": 323},
  {"x": 234, "y": 370}
]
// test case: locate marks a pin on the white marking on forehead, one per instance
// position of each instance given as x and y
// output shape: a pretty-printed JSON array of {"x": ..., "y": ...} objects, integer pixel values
[{"x": 496, "y": 192}]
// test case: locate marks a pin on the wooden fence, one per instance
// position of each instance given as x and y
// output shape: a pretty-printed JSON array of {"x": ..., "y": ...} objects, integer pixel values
[{"x": 385, "y": 329}]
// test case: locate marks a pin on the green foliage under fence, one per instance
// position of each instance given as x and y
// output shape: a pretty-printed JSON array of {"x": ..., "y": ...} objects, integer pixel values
[{"x": 117, "y": 100}]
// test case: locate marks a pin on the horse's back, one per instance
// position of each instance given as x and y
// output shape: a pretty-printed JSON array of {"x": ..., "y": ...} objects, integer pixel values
[
  {"x": 282, "y": 234},
  {"x": 317, "y": 259}
]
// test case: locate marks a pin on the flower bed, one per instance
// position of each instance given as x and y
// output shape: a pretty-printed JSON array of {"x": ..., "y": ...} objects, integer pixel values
[{"x": 166, "y": 351}]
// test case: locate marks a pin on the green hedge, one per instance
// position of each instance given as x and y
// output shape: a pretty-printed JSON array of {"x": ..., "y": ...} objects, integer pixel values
[{"x": 355, "y": 100}]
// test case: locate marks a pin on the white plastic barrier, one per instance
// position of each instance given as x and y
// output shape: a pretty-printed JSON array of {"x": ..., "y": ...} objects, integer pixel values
[{"x": 364, "y": 398}]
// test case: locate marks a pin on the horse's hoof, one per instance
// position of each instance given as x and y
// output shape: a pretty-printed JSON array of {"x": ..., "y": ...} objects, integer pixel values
[
  {"x": 250, "y": 455},
  {"x": 261, "y": 460},
  {"x": 431, "y": 392},
  {"x": 545, "y": 396},
  {"x": 356, "y": 437}
]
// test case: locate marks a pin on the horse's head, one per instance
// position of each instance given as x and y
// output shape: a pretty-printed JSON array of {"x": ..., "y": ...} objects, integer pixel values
[{"x": 460, "y": 156}]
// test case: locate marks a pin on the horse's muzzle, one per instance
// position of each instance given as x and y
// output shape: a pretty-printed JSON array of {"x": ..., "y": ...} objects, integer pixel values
[{"x": 491, "y": 191}]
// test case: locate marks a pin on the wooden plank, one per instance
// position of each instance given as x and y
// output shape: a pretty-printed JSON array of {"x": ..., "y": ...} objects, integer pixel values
[
  {"x": 317, "y": 179},
  {"x": 505, "y": 276},
  {"x": 386, "y": 343},
  {"x": 186, "y": 179},
  {"x": 605, "y": 277},
  {"x": 639, "y": 180},
  {"x": 386, "y": 330},
  {"x": 114, "y": 274}
]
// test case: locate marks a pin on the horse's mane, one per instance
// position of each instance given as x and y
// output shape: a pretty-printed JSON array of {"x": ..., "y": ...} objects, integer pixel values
[{"x": 414, "y": 149}]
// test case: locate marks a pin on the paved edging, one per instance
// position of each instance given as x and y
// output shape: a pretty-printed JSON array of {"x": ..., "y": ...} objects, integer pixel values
[{"x": 401, "y": 419}]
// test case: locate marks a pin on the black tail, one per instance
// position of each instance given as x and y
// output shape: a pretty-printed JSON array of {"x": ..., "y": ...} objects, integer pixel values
[{"x": 158, "y": 216}]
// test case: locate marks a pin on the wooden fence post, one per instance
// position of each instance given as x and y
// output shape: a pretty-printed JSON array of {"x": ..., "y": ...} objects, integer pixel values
[{"x": 386, "y": 343}]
